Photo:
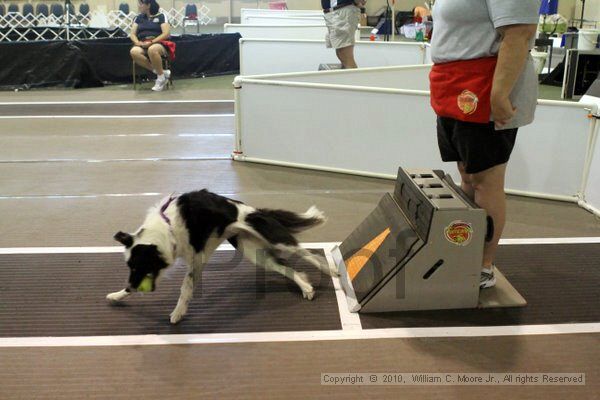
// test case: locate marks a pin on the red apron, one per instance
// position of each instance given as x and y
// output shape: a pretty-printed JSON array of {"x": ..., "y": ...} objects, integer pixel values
[
  {"x": 462, "y": 89},
  {"x": 170, "y": 46}
]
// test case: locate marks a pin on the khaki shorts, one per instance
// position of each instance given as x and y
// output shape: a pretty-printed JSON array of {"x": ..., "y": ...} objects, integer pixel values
[{"x": 342, "y": 25}]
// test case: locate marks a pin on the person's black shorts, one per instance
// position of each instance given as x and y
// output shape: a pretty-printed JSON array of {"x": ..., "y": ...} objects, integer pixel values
[{"x": 478, "y": 146}]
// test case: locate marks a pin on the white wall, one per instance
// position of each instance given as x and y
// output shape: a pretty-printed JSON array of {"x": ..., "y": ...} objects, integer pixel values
[
  {"x": 262, "y": 56},
  {"x": 314, "y": 32},
  {"x": 592, "y": 193},
  {"x": 592, "y": 10},
  {"x": 345, "y": 126},
  {"x": 279, "y": 20}
]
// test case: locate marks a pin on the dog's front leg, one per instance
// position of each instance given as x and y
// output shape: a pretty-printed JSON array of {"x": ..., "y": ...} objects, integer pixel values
[
  {"x": 118, "y": 296},
  {"x": 187, "y": 291},
  {"x": 195, "y": 265},
  {"x": 187, "y": 288}
]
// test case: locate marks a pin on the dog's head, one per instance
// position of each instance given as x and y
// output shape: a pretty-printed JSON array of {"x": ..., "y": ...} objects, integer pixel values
[{"x": 144, "y": 259}]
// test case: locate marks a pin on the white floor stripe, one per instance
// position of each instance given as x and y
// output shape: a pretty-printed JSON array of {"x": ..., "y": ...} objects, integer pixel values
[
  {"x": 60, "y": 250},
  {"x": 39, "y": 103},
  {"x": 118, "y": 249},
  {"x": 80, "y": 196},
  {"x": 115, "y": 116},
  {"x": 326, "y": 246},
  {"x": 79, "y": 160},
  {"x": 78, "y": 250},
  {"x": 126, "y": 135},
  {"x": 570, "y": 240},
  {"x": 258, "y": 337},
  {"x": 349, "y": 320}
]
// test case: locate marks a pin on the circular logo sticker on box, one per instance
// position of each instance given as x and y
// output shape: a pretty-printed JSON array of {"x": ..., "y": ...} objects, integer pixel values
[{"x": 459, "y": 233}]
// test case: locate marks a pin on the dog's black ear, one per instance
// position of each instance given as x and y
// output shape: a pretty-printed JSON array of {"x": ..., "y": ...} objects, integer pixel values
[{"x": 124, "y": 238}]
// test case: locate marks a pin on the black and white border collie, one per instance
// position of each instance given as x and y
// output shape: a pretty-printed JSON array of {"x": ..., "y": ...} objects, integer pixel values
[{"x": 191, "y": 226}]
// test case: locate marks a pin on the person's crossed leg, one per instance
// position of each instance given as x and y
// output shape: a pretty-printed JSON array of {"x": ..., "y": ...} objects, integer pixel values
[{"x": 151, "y": 59}]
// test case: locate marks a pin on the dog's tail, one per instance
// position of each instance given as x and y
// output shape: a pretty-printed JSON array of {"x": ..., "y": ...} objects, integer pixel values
[{"x": 293, "y": 221}]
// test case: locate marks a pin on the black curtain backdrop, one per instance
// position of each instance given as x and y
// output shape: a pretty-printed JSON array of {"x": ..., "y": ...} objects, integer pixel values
[{"x": 99, "y": 62}]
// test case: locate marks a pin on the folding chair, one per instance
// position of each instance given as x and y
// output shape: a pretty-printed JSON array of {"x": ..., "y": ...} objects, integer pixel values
[
  {"x": 84, "y": 9},
  {"x": 27, "y": 10},
  {"x": 124, "y": 8},
  {"x": 83, "y": 17},
  {"x": 191, "y": 17},
  {"x": 41, "y": 9},
  {"x": 57, "y": 10}
]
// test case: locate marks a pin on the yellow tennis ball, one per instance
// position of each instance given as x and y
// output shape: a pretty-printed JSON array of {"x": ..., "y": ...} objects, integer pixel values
[{"x": 145, "y": 285}]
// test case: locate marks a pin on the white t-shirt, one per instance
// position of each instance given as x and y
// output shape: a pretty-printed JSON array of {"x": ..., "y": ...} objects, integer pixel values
[{"x": 467, "y": 29}]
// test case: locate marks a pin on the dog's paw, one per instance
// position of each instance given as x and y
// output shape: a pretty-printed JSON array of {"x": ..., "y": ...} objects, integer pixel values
[
  {"x": 117, "y": 296},
  {"x": 309, "y": 294},
  {"x": 334, "y": 271},
  {"x": 177, "y": 315}
]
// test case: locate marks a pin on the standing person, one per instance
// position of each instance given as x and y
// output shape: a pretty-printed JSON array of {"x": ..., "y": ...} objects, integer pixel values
[
  {"x": 342, "y": 18},
  {"x": 483, "y": 88},
  {"x": 149, "y": 34}
]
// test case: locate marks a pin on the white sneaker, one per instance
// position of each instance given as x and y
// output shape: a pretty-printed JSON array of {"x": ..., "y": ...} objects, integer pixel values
[
  {"x": 160, "y": 84},
  {"x": 167, "y": 73},
  {"x": 487, "y": 278}
]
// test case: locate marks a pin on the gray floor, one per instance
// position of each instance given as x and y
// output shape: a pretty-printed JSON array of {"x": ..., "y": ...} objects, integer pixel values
[
  {"x": 75, "y": 182},
  {"x": 50, "y": 184},
  {"x": 293, "y": 370}
]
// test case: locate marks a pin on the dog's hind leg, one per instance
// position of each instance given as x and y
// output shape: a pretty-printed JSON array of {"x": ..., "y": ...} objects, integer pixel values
[
  {"x": 255, "y": 252},
  {"x": 194, "y": 274}
]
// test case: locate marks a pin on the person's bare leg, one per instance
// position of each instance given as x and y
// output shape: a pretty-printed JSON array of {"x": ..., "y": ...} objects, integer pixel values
[
  {"x": 465, "y": 181},
  {"x": 155, "y": 53},
  {"x": 346, "y": 57},
  {"x": 489, "y": 194},
  {"x": 138, "y": 56}
]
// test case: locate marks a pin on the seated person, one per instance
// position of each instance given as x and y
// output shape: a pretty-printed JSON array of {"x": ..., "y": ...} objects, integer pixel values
[{"x": 149, "y": 29}]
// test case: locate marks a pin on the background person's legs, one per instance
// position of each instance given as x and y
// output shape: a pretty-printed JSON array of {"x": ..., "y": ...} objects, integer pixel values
[
  {"x": 138, "y": 57},
  {"x": 341, "y": 29},
  {"x": 486, "y": 188},
  {"x": 346, "y": 57},
  {"x": 155, "y": 53}
]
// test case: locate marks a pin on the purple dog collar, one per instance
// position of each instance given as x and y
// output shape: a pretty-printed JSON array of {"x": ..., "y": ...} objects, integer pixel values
[{"x": 164, "y": 208}]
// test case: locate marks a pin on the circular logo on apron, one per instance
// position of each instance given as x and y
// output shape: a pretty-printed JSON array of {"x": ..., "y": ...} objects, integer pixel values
[
  {"x": 459, "y": 233},
  {"x": 467, "y": 102}
]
